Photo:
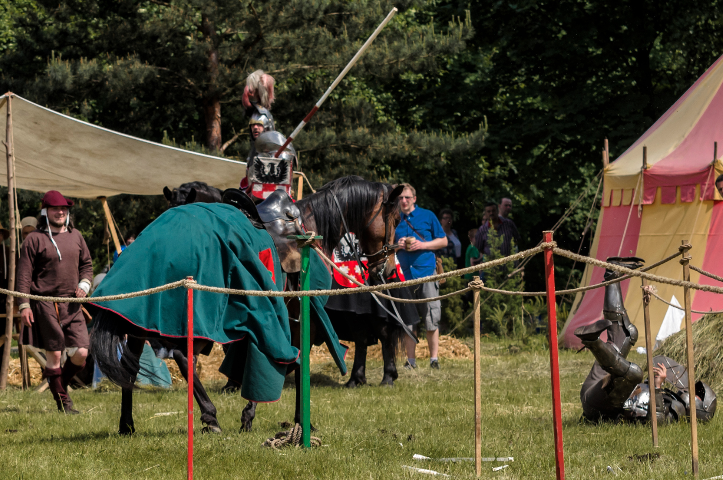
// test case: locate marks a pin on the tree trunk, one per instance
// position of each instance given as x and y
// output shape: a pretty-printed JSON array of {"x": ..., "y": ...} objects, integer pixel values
[{"x": 212, "y": 100}]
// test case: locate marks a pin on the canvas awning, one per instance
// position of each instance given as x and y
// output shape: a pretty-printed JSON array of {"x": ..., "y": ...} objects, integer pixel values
[{"x": 57, "y": 152}]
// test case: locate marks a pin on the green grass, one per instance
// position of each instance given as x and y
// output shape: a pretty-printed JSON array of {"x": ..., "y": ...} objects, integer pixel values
[{"x": 369, "y": 432}]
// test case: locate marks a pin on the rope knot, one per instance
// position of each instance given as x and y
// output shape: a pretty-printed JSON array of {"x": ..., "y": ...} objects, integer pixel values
[
  {"x": 289, "y": 438},
  {"x": 301, "y": 243},
  {"x": 683, "y": 248},
  {"x": 548, "y": 245},
  {"x": 648, "y": 292},
  {"x": 476, "y": 284}
]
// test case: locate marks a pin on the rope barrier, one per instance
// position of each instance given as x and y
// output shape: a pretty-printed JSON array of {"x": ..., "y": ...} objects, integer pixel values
[
  {"x": 707, "y": 274},
  {"x": 628, "y": 273},
  {"x": 650, "y": 290},
  {"x": 289, "y": 438}
]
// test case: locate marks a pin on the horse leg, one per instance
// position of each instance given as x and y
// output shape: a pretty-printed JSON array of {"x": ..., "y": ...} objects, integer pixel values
[
  {"x": 126, "y": 425},
  {"x": 208, "y": 410},
  {"x": 247, "y": 417},
  {"x": 358, "y": 370},
  {"x": 389, "y": 351}
]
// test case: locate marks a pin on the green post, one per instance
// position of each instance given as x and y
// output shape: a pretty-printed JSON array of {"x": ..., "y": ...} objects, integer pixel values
[{"x": 305, "y": 346}]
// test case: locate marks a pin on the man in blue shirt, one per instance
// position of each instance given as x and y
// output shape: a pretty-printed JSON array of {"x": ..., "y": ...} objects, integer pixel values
[{"x": 419, "y": 234}]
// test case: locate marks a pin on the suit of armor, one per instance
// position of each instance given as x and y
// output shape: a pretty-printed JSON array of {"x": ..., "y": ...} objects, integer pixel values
[{"x": 613, "y": 389}]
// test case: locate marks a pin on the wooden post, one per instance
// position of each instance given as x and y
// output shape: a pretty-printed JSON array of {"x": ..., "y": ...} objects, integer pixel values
[
  {"x": 651, "y": 375},
  {"x": 111, "y": 224},
  {"x": 189, "y": 358},
  {"x": 300, "y": 188},
  {"x": 606, "y": 154},
  {"x": 685, "y": 260},
  {"x": 715, "y": 151},
  {"x": 11, "y": 268},
  {"x": 477, "y": 383},
  {"x": 554, "y": 362}
]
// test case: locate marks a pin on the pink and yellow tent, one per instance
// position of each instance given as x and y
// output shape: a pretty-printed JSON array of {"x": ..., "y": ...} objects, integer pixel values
[{"x": 647, "y": 213}]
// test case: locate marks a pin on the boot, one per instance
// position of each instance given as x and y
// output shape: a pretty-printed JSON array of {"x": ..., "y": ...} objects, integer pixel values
[
  {"x": 69, "y": 371},
  {"x": 60, "y": 394}
]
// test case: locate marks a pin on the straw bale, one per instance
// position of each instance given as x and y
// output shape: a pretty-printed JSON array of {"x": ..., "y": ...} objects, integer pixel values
[
  {"x": 14, "y": 377},
  {"x": 707, "y": 343}
]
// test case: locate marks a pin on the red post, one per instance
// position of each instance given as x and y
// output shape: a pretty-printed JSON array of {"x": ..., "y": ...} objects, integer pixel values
[
  {"x": 554, "y": 363},
  {"x": 189, "y": 357}
]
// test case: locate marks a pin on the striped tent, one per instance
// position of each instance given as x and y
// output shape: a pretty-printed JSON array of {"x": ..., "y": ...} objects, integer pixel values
[{"x": 648, "y": 212}]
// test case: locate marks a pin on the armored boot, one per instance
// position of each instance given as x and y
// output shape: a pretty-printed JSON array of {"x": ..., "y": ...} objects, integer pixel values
[{"x": 622, "y": 333}]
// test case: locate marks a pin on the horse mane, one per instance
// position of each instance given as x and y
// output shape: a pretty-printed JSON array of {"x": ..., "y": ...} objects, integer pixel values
[{"x": 357, "y": 198}]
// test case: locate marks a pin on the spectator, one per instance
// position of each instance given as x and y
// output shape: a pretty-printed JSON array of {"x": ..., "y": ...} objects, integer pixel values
[
  {"x": 719, "y": 184},
  {"x": 453, "y": 249},
  {"x": 419, "y": 233},
  {"x": 471, "y": 252},
  {"x": 29, "y": 224},
  {"x": 504, "y": 227},
  {"x": 505, "y": 208},
  {"x": 55, "y": 261}
]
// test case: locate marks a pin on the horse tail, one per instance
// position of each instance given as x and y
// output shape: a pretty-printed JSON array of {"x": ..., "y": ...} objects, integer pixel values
[{"x": 117, "y": 363}]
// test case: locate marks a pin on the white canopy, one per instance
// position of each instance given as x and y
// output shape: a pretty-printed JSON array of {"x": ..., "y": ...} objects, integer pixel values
[{"x": 57, "y": 152}]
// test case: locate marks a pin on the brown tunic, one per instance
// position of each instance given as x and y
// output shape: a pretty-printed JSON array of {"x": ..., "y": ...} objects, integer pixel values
[{"x": 41, "y": 272}]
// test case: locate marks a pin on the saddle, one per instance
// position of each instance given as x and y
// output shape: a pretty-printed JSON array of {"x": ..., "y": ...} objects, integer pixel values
[{"x": 279, "y": 216}]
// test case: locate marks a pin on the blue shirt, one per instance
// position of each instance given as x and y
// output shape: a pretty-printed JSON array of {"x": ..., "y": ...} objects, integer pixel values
[{"x": 420, "y": 263}]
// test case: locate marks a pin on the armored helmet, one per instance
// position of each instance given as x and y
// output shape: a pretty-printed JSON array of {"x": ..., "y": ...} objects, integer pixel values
[
  {"x": 262, "y": 116},
  {"x": 705, "y": 401}
]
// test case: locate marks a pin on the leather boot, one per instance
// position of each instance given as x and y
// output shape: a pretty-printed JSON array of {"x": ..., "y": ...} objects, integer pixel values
[
  {"x": 60, "y": 394},
  {"x": 69, "y": 371}
]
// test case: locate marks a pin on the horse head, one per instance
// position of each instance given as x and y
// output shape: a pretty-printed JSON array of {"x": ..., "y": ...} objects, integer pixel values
[{"x": 192, "y": 192}]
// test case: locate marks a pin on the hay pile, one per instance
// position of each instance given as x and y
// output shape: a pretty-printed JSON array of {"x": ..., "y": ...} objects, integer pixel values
[
  {"x": 14, "y": 377},
  {"x": 707, "y": 345}
]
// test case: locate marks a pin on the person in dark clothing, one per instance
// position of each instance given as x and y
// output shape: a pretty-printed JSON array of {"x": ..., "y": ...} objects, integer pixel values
[
  {"x": 55, "y": 261},
  {"x": 504, "y": 227}
]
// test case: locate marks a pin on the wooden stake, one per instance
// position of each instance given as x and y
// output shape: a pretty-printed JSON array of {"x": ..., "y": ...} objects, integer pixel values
[
  {"x": 651, "y": 375},
  {"x": 554, "y": 362},
  {"x": 111, "y": 224},
  {"x": 685, "y": 260},
  {"x": 11, "y": 268},
  {"x": 606, "y": 154},
  {"x": 477, "y": 388}
]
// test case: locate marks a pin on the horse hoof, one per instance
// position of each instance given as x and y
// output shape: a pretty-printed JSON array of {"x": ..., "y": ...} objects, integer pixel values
[
  {"x": 387, "y": 383},
  {"x": 126, "y": 429},
  {"x": 211, "y": 429},
  {"x": 353, "y": 383},
  {"x": 245, "y": 427}
]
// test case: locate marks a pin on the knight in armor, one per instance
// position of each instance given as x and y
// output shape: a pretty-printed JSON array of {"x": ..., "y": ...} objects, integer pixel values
[
  {"x": 614, "y": 388},
  {"x": 257, "y": 99}
]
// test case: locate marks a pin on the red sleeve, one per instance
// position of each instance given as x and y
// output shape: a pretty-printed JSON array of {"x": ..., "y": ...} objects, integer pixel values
[{"x": 85, "y": 263}]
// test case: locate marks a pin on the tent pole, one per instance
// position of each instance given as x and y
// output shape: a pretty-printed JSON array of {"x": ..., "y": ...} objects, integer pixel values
[
  {"x": 11, "y": 267},
  {"x": 606, "y": 155},
  {"x": 111, "y": 224},
  {"x": 690, "y": 359}
]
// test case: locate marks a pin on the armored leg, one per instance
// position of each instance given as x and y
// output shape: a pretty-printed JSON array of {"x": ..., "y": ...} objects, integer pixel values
[{"x": 624, "y": 375}]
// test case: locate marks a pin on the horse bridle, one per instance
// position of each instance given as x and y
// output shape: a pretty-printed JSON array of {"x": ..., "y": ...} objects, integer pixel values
[{"x": 387, "y": 250}]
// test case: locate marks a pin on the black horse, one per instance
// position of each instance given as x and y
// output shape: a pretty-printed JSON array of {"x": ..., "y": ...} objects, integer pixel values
[{"x": 370, "y": 208}]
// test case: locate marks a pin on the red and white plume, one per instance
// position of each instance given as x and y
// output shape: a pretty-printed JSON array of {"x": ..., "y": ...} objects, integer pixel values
[{"x": 259, "y": 89}]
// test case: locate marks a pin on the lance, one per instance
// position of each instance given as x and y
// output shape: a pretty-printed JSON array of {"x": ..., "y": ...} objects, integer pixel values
[{"x": 353, "y": 61}]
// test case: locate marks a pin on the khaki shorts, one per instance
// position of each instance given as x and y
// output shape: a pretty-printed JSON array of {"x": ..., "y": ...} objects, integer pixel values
[{"x": 430, "y": 312}]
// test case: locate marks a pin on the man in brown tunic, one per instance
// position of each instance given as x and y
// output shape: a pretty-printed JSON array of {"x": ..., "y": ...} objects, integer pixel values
[{"x": 55, "y": 261}]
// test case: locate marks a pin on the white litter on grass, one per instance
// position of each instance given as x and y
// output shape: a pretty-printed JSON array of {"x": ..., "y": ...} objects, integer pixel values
[
  {"x": 497, "y": 469},
  {"x": 717, "y": 477},
  {"x": 424, "y": 470},
  {"x": 464, "y": 459},
  {"x": 165, "y": 414}
]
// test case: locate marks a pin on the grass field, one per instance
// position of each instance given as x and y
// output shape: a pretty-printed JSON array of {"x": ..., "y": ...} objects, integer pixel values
[{"x": 367, "y": 433}]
